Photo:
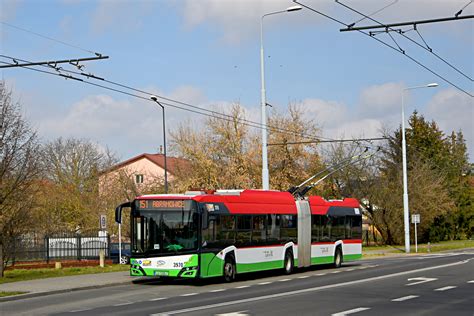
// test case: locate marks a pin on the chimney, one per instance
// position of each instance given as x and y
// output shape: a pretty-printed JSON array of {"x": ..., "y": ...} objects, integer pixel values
[{"x": 161, "y": 149}]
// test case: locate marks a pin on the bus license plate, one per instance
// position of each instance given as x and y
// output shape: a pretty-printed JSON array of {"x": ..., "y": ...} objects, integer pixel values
[{"x": 161, "y": 273}]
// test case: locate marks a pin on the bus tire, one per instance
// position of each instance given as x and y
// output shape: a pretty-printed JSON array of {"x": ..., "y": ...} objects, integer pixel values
[
  {"x": 288, "y": 263},
  {"x": 337, "y": 257},
  {"x": 229, "y": 268}
]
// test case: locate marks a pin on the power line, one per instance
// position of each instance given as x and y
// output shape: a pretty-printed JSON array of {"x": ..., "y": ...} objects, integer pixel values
[
  {"x": 251, "y": 123},
  {"x": 221, "y": 116},
  {"x": 387, "y": 27},
  {"x": 388, "y": 45},
  {"x": 50, "y": 38},
  {"x": 460, "y": 11},
  {"x": 331, "y": 141},
  {"x": 373, "y": 13}
]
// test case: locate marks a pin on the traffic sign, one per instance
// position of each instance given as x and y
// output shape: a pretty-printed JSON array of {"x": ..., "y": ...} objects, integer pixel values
[
  {"x": 103, "y": 221},
  {"x": 415, "y": 218}
]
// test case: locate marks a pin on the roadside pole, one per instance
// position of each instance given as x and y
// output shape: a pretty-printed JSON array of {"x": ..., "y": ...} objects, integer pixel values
[
  {"x": 120, "y": 243},
  {"x": 415, "y": 219}
]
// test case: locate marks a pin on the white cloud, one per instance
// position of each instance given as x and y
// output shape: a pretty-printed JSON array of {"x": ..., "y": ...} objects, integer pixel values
[
  {"x": 129, "y": 127},
  {"x": 124, "y": 16},
  {"x": 8, "y": 9},
  {"x": 236, "y": 20},
  {"x": 453, "y": 111},
  {"x": 379, "y": 101},
  {"x": 240, "y": 20}
]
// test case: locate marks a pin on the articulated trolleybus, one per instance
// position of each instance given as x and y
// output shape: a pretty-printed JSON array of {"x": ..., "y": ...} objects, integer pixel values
[{"x": 228, "y": 232}]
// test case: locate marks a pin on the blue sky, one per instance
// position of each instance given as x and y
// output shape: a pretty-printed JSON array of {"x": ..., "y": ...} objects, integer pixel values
[{"x": 206, "y": 52}]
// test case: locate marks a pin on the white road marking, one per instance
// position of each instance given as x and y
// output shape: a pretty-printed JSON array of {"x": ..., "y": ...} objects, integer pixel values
[
  {"x": 351, "y": 311},
  {"x": 405, "y": 298},
  {"x": 218, "y": 290},
  {"x": 319, "y": 274},
  {"x": 472, "y": 281},
  {"x": 284, "y": 280},
  {"x": 349, "y": 270},
  {"x": 420, "y": 280},
  {"x": 80, "y": 310},
  {"x": 241, "y": 313},
  {"x": 363, "y": 267},
  {"x": 242, "y": 286},
  {"x": 123, "y": 304},
  {"x": 303, "y": 277},
  {"x": 308, "y": 290},
  {"x": 264, "y": 283},
  {"x": 336, "y": 272},
  {"x": 157, "y": 299},
  {"x": 189, "y": 294},
  {"x": 446, "y": 288}
]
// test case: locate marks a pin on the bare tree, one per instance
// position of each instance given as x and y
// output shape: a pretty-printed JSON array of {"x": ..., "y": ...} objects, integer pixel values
[
  {"x": 19, "y": 170},
  {"x": 70, "y": 194}
]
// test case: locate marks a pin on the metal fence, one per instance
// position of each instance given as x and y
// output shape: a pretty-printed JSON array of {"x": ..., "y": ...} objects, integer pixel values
[{"x": 62, "y": 246}]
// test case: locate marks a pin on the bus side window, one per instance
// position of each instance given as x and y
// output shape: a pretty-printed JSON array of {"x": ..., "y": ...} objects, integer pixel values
[
  {"x": 315, "y": 228},
  {"x": 209, "y": 233},
  {"x": 273, "y": 229},
  {"x": 225, "y": 230},
  {"x": 337, "y": 228},
  {"x": 288, "y": 228},
  {"x": 258, "y": 230},
  {"x": 244, "y": 230},
  {"x": 356, "y": 227},
  {"x": 325, "y": 228},
  {"x": 348, "y": 227}
]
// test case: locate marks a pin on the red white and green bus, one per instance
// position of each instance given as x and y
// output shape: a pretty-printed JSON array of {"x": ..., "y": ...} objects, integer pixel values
[{"x": 228, "y": 232}]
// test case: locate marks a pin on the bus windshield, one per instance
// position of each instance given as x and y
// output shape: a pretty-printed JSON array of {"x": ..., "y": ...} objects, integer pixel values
[{"x": 165, "y": 230}]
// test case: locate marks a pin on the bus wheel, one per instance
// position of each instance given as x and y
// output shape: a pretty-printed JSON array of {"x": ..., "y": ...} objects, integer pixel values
[
  {"x": 338, "y": 257},
  {"x": 229, "y": 268},
  {"x": 289, "y": 262}
]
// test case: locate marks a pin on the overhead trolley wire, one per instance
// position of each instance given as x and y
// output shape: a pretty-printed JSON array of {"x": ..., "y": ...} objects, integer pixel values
[
  {"x": 427, "y": 48},
  {"x": 213, "y": 114},
  {"x": 388, "y": 45},
  {"x": 50, "y": 38},
  {"x": 373, "y": 13},
  {"x": 460, "y": 11}
]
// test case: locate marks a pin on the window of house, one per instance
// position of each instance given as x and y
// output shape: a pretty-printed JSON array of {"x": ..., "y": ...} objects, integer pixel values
[{"x": 138, "y": 178}]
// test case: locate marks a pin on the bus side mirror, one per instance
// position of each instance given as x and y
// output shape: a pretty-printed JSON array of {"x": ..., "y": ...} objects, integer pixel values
[{"x": 118, "y": 211}]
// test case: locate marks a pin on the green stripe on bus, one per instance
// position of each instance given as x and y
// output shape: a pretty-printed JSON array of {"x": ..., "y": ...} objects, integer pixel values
[
  {"x": 352, "y": 257},
  {"x": 322, "y": 260},
  {"x": 259, "y": 266}
]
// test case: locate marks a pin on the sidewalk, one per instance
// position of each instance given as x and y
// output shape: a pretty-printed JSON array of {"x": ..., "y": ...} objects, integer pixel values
[{"x": 48, "y": 286}]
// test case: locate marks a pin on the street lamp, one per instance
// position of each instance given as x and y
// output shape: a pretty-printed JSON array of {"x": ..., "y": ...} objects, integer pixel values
[
  {"x": 406, "y": 212},
  {"x": 265, "y": 177},
  {"x": 155, "y": 99}
]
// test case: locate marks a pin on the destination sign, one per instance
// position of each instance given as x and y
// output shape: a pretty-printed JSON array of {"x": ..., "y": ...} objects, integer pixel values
[{"x": 161, "y": 204}]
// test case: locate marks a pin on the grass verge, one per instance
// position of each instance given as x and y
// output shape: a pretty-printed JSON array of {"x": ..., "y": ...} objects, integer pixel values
[
  {"x": 422, "y": 248},
  {"x": 3, "y": 294},
  {"x": 16, "y": 275}
]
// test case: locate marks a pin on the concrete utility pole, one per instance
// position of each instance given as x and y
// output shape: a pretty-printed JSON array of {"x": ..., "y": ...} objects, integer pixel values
[
  {"x": 406, "y": 211},
  {"x": 265, "y": 176}
]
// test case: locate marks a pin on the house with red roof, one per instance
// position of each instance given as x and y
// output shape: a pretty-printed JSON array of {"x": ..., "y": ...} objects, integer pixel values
[{"x": 143, "y": 171}]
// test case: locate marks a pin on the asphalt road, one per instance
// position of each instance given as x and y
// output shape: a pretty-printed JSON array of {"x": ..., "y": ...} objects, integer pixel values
[{"x": 438, "y": 284}]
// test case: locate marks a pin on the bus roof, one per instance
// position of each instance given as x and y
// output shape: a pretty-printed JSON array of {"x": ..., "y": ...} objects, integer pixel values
[{"x": 256, "y": 201}]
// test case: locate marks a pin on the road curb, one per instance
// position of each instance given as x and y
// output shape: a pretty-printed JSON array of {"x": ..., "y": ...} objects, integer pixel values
[{"x": 38, "y": 294}]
